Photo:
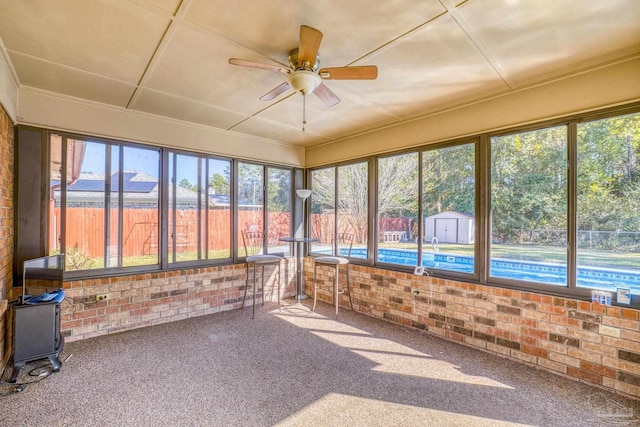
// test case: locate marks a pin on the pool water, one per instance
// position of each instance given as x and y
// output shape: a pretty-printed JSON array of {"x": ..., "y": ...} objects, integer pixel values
[{"x": 554, "y": 274}]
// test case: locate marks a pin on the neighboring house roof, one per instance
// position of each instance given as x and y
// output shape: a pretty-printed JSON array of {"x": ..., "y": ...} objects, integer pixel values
[
  {"x": 133, "y": 182},
  {"x": 139, "y": 187}
]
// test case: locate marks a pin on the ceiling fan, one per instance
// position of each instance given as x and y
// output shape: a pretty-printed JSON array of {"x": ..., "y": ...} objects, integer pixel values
[{"x": 304, "y": 74}]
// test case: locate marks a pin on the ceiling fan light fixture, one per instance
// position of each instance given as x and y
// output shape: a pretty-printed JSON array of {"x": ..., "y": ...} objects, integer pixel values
[{"x": 304, "y": 81}]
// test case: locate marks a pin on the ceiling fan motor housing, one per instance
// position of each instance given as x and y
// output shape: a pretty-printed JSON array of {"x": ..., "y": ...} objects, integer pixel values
[{"x": 295, "y": 64}]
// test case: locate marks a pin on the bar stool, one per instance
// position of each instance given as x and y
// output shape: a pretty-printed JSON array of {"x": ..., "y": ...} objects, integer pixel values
[
  {"x": 341, "y": 252},
  {"x": 254, "y": 244}
]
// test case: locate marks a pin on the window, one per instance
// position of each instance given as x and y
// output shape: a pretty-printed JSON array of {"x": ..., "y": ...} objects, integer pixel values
[
  {"x": 105, "y": 209},
  {"x": 218, "y": 222},
  {"x": 398, "y": 201},
  {"x": 448, "y": 208},
  {"x": 529, "y": 206},
  {"x": 185, "y": 207},
  {"x": 199, "y": 217},
  {"x": 560, "y": 210},
  {"x": 104, "y": 203},
  {"x": 272, "y": 218},
  {"x": 323, "y": 208},
  {"x": 433, "y": 223},
  {"x": 608, "y": 204},
  {"x": 140, "y": 206},
  {"x": 353, "y": 205},
  {"x": 340, "y": 204},
  {"x": 278, "y": 208}
]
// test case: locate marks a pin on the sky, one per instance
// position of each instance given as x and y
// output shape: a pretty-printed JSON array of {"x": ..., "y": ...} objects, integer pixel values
[{"x": 143, "y": 160}]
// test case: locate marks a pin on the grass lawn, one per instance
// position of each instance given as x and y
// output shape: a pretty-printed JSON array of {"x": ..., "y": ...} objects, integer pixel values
[{"x": 551, "y": 254}]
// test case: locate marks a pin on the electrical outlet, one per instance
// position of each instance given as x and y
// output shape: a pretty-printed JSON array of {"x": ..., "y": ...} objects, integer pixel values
[
  {"x": 101, "y": 297},
  {"x": 609, "y": 331}
]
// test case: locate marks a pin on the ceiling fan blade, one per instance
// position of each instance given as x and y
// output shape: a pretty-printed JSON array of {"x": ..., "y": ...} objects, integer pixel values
[
  {"x": 310, "y": 39},
  {"x": 275, "y": 92},
  {"x": 326, "y": 96},
  {"x": 245, "y": 63},
  {"x": 363, "y": 72}
]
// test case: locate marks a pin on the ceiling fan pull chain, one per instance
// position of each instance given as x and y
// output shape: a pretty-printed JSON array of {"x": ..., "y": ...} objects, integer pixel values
[{"x": 304, "y": 108}]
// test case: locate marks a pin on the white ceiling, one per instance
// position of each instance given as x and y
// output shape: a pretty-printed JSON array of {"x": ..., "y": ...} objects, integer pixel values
[{"x": 170, "y": 57}]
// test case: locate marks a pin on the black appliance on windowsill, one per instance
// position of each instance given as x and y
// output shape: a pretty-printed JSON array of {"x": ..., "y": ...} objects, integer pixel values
[{"x": 36, "y": 319}]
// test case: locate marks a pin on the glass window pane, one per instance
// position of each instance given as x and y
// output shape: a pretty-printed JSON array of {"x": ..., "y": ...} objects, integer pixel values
[
  {"x": 113, "y": 222},
  {"x": 398, "y": 209},
  {"x": 141, "y": 196},
  {"x": 279, "y": 209},
  {"x": 250, "y": 200},
  {"x": 184, "y": 236},
  {"x": 353, "y": 205},
  {"x": 322, "y": 217},
  {"x": 608, "y": 251},
  {"x": 85, "y": 205},
  {"x": 529, "y": 206},
  {"x": 171, "y": 215},
  {"x": 201, "y": 188},
  {"x": 219, "y": 212},
  {"x": 448, "y": 208},
  {"x": 55, "y": 180}
]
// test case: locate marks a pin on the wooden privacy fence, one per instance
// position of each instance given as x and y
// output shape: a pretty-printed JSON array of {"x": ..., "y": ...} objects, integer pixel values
[
  {"x": 140, "y": 234},
  {"x": 323, "y": 227}
]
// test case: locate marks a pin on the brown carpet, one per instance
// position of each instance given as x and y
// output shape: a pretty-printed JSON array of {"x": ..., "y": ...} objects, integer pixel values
[{"x": 292, "y": 368}]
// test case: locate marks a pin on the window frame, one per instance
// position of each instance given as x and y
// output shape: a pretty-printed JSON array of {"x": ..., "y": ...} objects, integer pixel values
[
  {"x": 163, "y": 263},
  {"x": 201, "y": 244},
  {"x": 482, "y": 142},
  {"x": 238, "y": 257},
  {"x": 483, "y": 199},
  {"x": 371, "y": 176}
]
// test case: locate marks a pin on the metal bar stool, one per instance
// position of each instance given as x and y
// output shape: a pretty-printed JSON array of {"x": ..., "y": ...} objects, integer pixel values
[
  {"x": 341, "y": 251},
  {"x": 254, "y": 244}
]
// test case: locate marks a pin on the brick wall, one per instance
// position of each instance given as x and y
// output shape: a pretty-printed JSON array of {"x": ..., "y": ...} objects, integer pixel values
[
  {"x": 6, "y": 226},
  {"x": 136, "y": 301},
  {"x": 560, "y": 335}
]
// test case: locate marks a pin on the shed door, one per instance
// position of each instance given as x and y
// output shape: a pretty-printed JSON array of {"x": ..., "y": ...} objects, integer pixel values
[{"x": 447, "y": 230}]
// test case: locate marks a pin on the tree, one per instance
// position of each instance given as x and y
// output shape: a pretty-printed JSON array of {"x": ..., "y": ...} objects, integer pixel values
[
  {"x": 185, "y": 183},
  {"x": 528, "y": 183},
  {"x": 219, "y": 184}
]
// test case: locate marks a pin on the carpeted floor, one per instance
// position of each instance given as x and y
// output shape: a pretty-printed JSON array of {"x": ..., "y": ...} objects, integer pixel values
[{"x": 292, "y": 368}]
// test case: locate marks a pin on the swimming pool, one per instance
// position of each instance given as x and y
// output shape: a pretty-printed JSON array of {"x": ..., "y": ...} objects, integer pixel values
[{"x": 554, "y": 274}]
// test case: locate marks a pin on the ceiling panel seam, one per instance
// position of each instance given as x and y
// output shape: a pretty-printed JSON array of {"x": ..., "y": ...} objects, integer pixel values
[
  {"x": 159, "y": 50},
  {"x": 156, "y": 9},
  {"x": 399, "y": 38},
  {"x": 68, "y": 67},
  {"x": 467, "y": 28},
  {"x": 209, "y": 33}
]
